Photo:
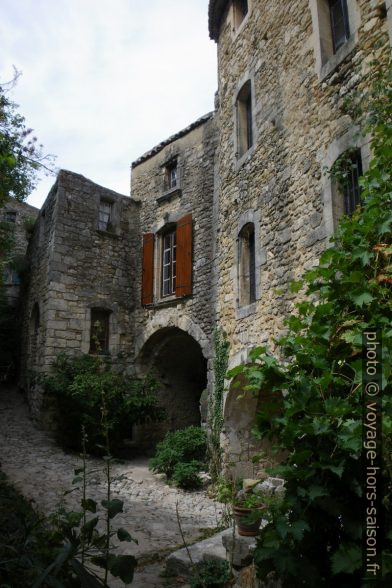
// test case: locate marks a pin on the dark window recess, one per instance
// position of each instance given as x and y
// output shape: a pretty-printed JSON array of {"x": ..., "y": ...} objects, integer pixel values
[
  {"x": 169, "y": 261},
  {"x": 339, "y": 23},
  {"x": 99, "y": 334},
  {"x": 240, "y": 11},
  {"x": 244, "y": 119},
  {"x": 171, "y": 176},
  {"x": 247, "y": 261},
  {"x": 10, "y": 216},
  {"x": 352, "y": 189},
  {"x": 105, "y": 215}
]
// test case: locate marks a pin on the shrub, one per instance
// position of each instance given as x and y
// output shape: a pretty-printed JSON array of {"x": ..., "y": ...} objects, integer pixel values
[
  {"x": 211, "y": 573},
  {"x": 186, "y": 447},
  {"x": 186, "y": 475},
  {"x": 80, "y": 385}
]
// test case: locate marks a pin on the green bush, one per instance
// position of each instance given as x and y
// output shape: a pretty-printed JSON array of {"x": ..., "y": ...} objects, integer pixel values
[
  {"x": 186, "y": 447},
  {"x": 81, "y": 386},
  {"x": 210, "y": 574},
  {"x": 186, "y": 475}
]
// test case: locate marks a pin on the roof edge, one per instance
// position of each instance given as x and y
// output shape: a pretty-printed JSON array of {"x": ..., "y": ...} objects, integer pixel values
[
  {"x": 215, "y": 11},
  {"x": 197, "y": 123}
]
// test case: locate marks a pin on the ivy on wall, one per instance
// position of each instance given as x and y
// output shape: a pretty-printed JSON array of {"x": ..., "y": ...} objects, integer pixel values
[{"x": 215, "y": 408}]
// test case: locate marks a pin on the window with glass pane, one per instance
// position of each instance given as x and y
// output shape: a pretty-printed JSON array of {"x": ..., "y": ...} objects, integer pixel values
[
  {"x": 339, "y": 23},
  {"x": 352, "y": 189},
  {"x": 169, "y": 263},
  {"x": 171, "y": 175},
  {"x": 105, "y": 215}
]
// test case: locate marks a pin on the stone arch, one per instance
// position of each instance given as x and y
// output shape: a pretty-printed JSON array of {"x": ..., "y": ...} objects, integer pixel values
[
  {"x": 176, "y": 360},
  {"x": 239, "y": 417}
]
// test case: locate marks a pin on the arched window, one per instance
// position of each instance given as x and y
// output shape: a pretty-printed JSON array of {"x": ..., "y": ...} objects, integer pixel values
[
  {"x": 244, "y": 119},
  {"x": 247, "y": 265},
  {"x": 346, "y": 189},
  {"x": 240, "y": 8}
]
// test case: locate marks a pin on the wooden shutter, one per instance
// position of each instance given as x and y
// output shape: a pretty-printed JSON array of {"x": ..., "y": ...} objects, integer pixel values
[
  {"x": 184, "y": 256},
  {"x": 148, "y": 269}
]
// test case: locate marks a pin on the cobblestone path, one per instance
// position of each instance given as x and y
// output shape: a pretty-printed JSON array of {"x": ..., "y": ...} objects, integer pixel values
[{"x": 41, "y": 471}]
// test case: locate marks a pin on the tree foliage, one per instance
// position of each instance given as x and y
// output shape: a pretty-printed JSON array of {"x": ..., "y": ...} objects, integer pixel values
[
  {"x": 314, "y": 538},
  {"x": 21, "y": 156}
]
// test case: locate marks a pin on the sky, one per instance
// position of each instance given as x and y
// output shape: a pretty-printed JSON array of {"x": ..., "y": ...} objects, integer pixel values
[{"x": 104, "y": 81}]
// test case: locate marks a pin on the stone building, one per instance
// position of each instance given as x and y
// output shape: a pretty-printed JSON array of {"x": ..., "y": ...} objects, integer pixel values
[
  {"x": 20, "y": 217},
  {"x": 223, "y": 215}
]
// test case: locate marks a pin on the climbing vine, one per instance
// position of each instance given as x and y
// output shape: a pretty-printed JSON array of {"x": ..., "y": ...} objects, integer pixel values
[{"x": 215, "y": 409}]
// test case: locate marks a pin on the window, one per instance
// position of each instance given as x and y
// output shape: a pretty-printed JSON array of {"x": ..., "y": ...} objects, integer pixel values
[
  {"x": 339, "y": 23},
  {"x": 105, "y": 215},
  {"x": 10, "y": 216},
  {"x": 247, "y": 265},
  {"x": 167, "y": 262},
  {"x": 169, "y": 247},
  {"x": 171, "y": 175},
  {"x": 240, "y": 8},
  {"x": 99, "y": 331},
  {"x": 244, "y": 119},
  {"x": 351, "y": 188}
]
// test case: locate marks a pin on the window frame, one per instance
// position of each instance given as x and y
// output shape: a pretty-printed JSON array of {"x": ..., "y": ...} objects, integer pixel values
[
  {"x": 105, "y": 226},
  {"x": 10, "y": 216},
  {"x": 244, "y": 111},
  {"x": 339, "y": 42},
  {"x": 171, "y": 235},
  {"x": 247, "y": 265},
  {"x": 240, "y": 12}
]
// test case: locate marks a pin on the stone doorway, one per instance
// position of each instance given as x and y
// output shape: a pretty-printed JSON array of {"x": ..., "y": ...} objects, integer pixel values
[{"x": 176, "y": 360}]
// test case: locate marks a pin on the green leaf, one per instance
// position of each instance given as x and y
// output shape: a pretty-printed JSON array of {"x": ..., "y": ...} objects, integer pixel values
[
  {"x": 363, "y": 298},
  {"x": 123, "y": 535},
  {"x": 298, "y": 529},
  {"x": 123, "y": 566},
  {"x": 89, "y": 504},
  {"x": 113, "y": 507},
  {"x": 346, "y": 559}
]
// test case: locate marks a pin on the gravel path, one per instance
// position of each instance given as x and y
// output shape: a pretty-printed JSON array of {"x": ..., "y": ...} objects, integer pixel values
[{"x": 41, "y": 471}]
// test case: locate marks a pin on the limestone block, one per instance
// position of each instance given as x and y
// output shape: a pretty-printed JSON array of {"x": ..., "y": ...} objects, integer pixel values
[{"x": 178, "y": 563}]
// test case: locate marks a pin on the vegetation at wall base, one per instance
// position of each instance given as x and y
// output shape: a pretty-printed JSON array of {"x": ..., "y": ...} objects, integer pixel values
[
  {"x": 180, "y": 456},
  {"x": 211, "y": 573},
  {"x": 79, "y": 385},
  {"x": 315, "y": 537}
]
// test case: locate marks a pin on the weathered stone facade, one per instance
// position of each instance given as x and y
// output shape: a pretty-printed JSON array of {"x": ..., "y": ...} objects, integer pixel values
[
  {"x": 76, "y": 267},
  {"x": 20, "y": 216},
  {"x": 298, "y": 87},
  {"x": 242, "y": 192}
]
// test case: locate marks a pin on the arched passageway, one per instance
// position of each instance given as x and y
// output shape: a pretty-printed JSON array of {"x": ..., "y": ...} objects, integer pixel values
[
  {"x": 176, "y": 360},
  {"x": 239, "y": 443}
]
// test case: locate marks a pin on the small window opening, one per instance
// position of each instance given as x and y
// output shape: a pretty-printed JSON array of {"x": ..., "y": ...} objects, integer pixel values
[
  {"x": 10, "y": 216},
  {"x": 339, "y": 23},
  {"x": 171, "y": 175},
  {"x": 105, "y": 215},
  {"x": 247, "y": 265},
  {"x": 244, "y": 119},
  {"x": 351, "y": 187},
  {"x": 169, "y": 247},
  {"x": 240, "y": 11},
  {"x": 99, "y": 332}
]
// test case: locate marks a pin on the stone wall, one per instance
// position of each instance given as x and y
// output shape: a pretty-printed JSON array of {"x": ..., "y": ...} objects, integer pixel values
[
  {"x": 21, "y": 217},
  {"x": 298, "y": 95},
  {"x": 189, "y": 319},
  {"x": 76, "y": 267}
]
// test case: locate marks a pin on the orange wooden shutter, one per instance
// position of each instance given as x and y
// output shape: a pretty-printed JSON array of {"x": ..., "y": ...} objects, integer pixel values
[
  {"x": 148, "y": 269},
  {"x": 184, "y": 256}
]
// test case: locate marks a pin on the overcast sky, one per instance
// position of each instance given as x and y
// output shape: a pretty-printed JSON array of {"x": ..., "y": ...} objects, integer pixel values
[{"x": 105, "y": 80}]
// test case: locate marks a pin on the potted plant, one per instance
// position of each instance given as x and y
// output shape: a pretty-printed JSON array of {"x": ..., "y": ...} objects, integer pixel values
[{"x": 248, "y": 511}]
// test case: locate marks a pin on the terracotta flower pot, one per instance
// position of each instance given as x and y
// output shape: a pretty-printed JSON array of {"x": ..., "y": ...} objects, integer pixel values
[{"x": 244, "y": 526}]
